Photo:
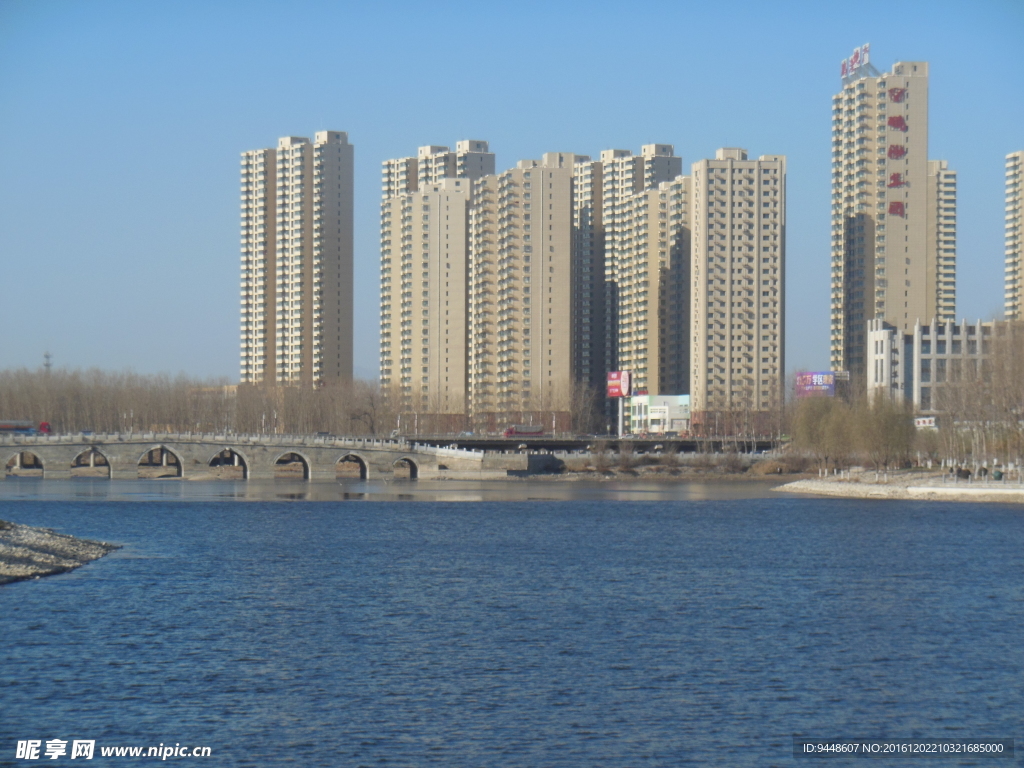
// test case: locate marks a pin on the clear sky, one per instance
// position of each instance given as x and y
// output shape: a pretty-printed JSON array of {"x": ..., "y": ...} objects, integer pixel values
[{"x": 121, "y": 125}]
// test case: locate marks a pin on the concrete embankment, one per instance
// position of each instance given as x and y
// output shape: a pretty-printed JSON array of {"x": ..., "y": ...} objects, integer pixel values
[
  {"x": 910, "y": 488},
  {"x": 27, "y": 552}
]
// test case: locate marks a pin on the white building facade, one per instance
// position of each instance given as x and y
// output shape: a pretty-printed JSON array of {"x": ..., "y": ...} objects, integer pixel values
[{"x": 1014, "y": 222}]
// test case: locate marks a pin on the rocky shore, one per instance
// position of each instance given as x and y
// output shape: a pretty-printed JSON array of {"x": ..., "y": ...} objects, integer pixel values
[
  {"x": 27, "y": 552},
  {"x": 910, "y": 486}
]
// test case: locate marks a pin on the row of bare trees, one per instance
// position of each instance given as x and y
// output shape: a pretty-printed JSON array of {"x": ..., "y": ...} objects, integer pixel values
[
  {"x": 835, "y": 433},
  {"x": 982, "y": 417},
  {"x": 72, "y": 401}
]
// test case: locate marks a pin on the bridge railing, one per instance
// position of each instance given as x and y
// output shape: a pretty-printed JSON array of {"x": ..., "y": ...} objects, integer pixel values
[{"x": 211, "y": 438}]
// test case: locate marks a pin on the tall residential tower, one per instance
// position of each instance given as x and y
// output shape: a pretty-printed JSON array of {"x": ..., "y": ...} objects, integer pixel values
[
  {"x": 520, "y": 287},
  {"x": 424, "y": 318},
  {"x": 296, "y": 277},
  {"x": 1014, "y": 309},
  {"x": 738, "y": 285},
  {"x": 893, "y": 212}
]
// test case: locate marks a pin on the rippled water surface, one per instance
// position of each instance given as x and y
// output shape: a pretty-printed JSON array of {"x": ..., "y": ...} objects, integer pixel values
[{"x": 588, "y": 631}]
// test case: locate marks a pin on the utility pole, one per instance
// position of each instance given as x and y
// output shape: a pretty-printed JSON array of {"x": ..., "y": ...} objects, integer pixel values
[{"x": 47, "y": 362}]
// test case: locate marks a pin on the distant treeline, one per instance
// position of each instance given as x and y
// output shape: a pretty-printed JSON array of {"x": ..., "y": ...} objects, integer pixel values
[
  {"x": 979, "y": 414},
  {"x": 73, "y": 401}
]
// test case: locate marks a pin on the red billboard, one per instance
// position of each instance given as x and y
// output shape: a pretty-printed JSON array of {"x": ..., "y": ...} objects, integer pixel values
[{"x": 618, "y": 384}]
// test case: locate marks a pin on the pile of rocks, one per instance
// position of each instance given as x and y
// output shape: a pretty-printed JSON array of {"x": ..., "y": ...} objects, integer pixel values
[{"x": 27, "y": 552}]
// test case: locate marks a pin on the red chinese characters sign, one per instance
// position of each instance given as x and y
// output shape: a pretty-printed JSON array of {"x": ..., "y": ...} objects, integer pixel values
[
  {"x": 898, "y": 123},
  {"x": 896, "y": 209},
  {"x": 897, "y": 94},
  {"x": 896, "y": 151},
  {"x": 896, "y": 180},
  {"x": 618, "y": 384},
  {"x": 861, "y": 58}
]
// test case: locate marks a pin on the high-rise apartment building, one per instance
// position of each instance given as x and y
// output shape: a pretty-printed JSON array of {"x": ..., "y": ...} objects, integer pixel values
[
  {"x": 296, "y": 325},
  {"x": 423, "y": 298},
  {"x": 652, "y": 286},
  {"x": 893, "y": 253},
  {"x": 590, "y": 363},
  {"x": 520, "y": 288},
  {"x": 424, "y": 318},
  {"x": 470, "y": 160},
  {"x": 625, "y": 175},
  {"x": 738, "y": 246},
  {"x": 259, "y": 267},
  {"x": 1014, "y": 307},
  {"x": 941, "y": 269}
]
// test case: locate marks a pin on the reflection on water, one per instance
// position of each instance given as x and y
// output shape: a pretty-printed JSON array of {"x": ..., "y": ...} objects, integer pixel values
[{"x": 513, "y": 489}]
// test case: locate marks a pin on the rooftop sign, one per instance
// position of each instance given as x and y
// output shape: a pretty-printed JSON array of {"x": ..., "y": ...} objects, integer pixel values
[{"x": 861, "y": 58}]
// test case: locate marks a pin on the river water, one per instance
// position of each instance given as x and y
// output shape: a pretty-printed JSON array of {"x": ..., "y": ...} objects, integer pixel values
[{"x": 510, "y": 624}]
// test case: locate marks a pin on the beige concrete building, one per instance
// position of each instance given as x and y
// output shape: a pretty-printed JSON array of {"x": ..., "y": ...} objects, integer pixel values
[
  {"x": 893, "y": 240},
  {"x": 424, "y": 271},
  {"x": 297, "y": 269},
  {"x": 1014, "y": 307},
  {"x": 424, "y": 317},
  {"x": 590, "y": 361},
  {"x": 259, "y": 258},
  {"x": 737, "y": 284},
  {"x": 625, "y": 175},
  {"x": 520, "y": 288},
  {"x": 652, "y": 266},
  {"x": 470, "y": 160},
  {"x": 941, "y": 272}
]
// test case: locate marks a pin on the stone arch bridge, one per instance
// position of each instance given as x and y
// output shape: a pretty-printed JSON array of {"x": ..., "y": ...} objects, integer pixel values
[{"x": 258, "y": 456}]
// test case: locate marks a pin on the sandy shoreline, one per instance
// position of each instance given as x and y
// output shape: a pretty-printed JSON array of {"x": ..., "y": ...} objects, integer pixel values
[
  {"x": 28, "y": 553},
  {"x": 913, "y": 486}
]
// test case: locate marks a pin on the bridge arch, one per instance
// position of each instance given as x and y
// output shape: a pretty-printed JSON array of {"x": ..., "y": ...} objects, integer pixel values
[
  {"x": 229, "y": 457},
  {"x": 406, "y": 464},
  {"x": 24, "y": 464},
  {"x": 90, "y": 463},
  {"x": 284, "y": 465},
  {"x": 352, "y": 458},
  {"x": 160, "y": 456}
]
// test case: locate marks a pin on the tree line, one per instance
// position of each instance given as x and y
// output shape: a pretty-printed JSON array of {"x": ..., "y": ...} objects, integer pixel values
[
  {"x": 979, "y": 416},
  {"x": 103, "y": 401},
  {"x": 836, "y": 433}
]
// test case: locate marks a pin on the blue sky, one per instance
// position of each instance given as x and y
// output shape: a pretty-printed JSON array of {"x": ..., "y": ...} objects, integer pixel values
[{"x": 121, "y": 125}]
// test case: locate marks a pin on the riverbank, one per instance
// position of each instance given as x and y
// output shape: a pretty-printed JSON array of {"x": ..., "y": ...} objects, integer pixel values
[
  {"x": 914, "y": 486},
  {"x": 28, "y": 553}
]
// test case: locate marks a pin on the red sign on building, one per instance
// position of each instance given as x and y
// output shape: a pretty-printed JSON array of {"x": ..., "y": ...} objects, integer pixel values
[
  {"x": 897, "y": 94},
  {"x": 896, "y": 209},
  {"x": 896, "y": 151},
  {"x": 618, "y": 384},
  {"x": 896, "y": 180},
  {"x": 897, "y": 122}
]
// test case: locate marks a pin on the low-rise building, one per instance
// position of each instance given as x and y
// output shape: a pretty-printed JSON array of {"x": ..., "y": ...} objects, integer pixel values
[
  {"x": 919, "y": 366},
  {"x": 659, "y": 414}
]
